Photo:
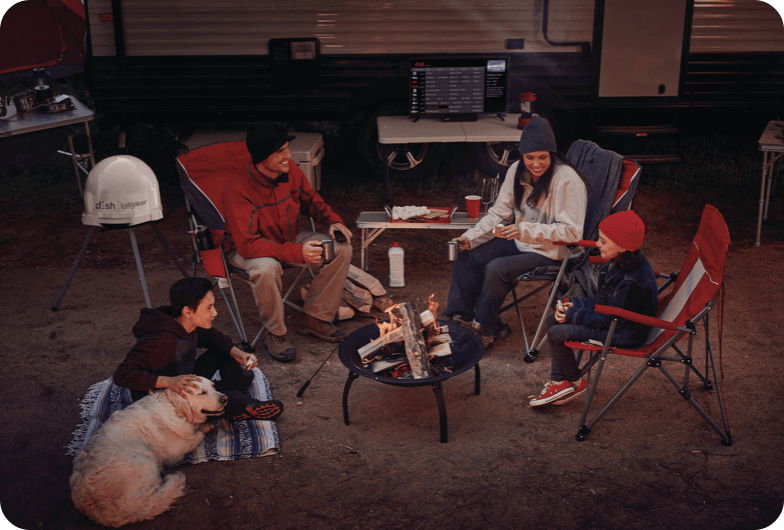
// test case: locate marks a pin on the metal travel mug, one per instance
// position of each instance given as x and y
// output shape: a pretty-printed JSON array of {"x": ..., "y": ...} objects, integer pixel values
[
  {"x": 453, "y": 247},
  {"x": 327, "y": 250}
]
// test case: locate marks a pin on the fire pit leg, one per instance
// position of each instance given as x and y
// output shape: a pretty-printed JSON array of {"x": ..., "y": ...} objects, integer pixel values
[
  {"x": 441, "y": 411},
  {"x": 477, "y": 379},
  {"x": 351, "y": 377}
]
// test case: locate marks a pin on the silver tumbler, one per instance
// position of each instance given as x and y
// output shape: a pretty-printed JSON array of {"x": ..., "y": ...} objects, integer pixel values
[
  {"x": 327, "y": 250},
  {"x": 453, "y": 247}
]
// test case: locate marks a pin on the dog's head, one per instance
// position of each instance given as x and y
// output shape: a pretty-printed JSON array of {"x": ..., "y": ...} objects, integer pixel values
[{"x": 205, "y": 401}]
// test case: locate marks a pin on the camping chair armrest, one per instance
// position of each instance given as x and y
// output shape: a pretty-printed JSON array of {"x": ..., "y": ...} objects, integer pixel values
[
  {"x": 581, "y": 243},
  {"x": 642, "y": 319},
  {"x": 598, "y": 260}
]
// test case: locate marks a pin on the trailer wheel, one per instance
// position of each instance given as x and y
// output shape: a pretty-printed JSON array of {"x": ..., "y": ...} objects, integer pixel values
[
  {"x": 494, "y": 158},
  {"x": 405, "y": 161}
]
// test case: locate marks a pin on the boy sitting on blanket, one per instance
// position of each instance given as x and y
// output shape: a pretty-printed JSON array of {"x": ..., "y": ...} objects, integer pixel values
[{"x": 168, "y": 339}]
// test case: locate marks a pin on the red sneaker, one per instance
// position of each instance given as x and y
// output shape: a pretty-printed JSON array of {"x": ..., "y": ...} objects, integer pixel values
[
  {"x": 553, "y": 390},
  {"x": 579, "y": 390}
]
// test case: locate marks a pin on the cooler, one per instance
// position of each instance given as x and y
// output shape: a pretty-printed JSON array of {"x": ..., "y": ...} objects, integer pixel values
[{"x": 307, "y": 149}]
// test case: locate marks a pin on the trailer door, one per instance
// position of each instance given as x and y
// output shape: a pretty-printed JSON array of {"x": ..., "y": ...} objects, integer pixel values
[{"x": 641, "y": 48}]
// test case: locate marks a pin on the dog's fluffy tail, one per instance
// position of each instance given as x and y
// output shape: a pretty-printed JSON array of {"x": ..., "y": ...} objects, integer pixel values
[{"x": 170, "y": 490}]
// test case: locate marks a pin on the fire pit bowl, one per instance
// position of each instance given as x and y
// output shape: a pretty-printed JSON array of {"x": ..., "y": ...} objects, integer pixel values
[{"x": 467, "y": 351}]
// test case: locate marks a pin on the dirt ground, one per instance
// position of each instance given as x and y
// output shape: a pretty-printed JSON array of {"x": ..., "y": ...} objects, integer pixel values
[{"x": 650, "y": 463}]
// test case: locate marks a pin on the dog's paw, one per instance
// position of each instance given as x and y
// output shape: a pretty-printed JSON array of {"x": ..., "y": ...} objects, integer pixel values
[{"x": 207, "y": 427}]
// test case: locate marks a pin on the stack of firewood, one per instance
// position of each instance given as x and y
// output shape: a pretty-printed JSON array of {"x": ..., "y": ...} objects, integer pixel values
[{"x": 361, "y": 293}]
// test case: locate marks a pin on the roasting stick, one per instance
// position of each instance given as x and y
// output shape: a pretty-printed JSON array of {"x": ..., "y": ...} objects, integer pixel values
[{"x": 307, "y": 383}]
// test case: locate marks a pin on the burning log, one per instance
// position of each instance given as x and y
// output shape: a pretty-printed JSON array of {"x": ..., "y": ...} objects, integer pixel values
[
  {"x": 389, "y": 337},
  {"x": 382, "y": 365},
  {"x": 371, "y": 347},
  {"x": 440, "y": 350},
  {"x": 416, "y": 349}
]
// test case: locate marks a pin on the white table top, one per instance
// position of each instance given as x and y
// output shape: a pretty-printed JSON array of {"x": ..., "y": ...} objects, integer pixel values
[
  {"x": 460, "y": 220},
  {"x": 487, "y": 128},
  {"x": 38, "y": 121},
  {"x": 772, "y": 138}
]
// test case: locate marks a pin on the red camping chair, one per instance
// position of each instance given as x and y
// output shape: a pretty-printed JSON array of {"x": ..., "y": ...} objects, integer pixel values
[
  {"x": 203, "y": 175},
  {"x": 694, "y": 294},
  {"x": 579, "y": 252}
]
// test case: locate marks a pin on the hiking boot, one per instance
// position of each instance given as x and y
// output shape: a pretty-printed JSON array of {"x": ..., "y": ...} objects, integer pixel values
[
  {"x": 260, "y": 410},
  {"x": 579, "y": 390},
  {"x": 502, "y": 331},
  {"x": 552, "y": 391},
  {"x": 318, "y": 328},
  {"x": 279, "y": 348},
  {"x": 457, "y": 318}
]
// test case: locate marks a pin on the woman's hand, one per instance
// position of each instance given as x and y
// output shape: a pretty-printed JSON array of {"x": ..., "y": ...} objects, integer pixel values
[
  {"x": 462, "y": 243},
  {"x": 509, "y": 232}
]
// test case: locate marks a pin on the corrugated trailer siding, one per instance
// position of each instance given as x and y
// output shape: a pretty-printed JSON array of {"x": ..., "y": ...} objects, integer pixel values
[
  {"x": 751, "y": 79},
  {"x": 402, "y": 26},
  {"x": 344, "y": 27},
  {"x": 229, "y": 78},
  {"x": 742, "y": 26}
]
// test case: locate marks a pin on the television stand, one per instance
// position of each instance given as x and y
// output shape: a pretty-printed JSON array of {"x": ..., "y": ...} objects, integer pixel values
[{"x": 470, "y": 116}]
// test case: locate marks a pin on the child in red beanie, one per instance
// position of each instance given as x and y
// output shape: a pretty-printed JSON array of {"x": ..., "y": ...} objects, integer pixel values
[{"x": 627, "y": 281}]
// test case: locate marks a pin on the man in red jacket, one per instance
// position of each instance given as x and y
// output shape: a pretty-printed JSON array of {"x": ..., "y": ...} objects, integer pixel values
[{"x": 262, "y": 207}]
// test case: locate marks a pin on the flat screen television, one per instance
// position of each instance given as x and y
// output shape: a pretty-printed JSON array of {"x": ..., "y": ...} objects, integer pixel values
[{"x": 457, "y": 88}]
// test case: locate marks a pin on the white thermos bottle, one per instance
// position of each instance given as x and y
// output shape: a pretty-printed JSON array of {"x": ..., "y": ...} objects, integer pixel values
[{"x": 396, "y": 255}]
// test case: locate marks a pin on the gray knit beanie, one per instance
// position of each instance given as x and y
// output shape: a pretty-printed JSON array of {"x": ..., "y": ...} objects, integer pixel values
[{"x": 537, "y": 136}]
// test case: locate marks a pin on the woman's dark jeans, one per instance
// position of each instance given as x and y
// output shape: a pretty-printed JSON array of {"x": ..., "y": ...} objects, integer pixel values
[{"x": 483, "y": 276}]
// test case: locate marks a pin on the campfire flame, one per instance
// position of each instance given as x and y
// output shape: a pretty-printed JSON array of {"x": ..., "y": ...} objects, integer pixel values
[
  {"x": 432, "y": 305},
  {"x": 386, "y": 327}
]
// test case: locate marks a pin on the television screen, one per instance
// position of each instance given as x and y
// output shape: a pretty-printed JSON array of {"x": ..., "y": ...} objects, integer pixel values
[{"x": 458, "y": 86}]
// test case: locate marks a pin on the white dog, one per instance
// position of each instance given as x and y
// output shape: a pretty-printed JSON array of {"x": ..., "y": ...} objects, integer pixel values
[{"x": 117, "y": 478}]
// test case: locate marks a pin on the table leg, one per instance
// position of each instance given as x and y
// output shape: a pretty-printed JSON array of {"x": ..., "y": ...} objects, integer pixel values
[
  {"x": 364, "y": 257},
  {"x": 387, "y": 151},
  {"x": 771, "y": 169},
  {"x": 762, "y": 196}
]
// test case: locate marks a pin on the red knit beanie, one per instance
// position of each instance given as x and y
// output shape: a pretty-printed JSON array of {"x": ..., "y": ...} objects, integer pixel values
[{"x": 625, "y": 229}]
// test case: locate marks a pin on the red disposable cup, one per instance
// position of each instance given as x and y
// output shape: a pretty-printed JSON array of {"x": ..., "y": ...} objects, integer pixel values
[{"x": 472, "y": 206}]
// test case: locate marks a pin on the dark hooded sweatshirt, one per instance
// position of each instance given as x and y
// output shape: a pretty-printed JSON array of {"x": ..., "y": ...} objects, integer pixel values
[{"x": 163, "y": 347}]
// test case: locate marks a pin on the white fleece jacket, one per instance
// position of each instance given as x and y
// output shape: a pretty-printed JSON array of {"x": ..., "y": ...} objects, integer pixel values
[{"x": 557, "y": 217}]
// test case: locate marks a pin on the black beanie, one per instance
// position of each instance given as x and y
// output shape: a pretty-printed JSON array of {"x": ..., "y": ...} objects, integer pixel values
[
  {"x": 537, "y": 136},
  {"x": 264, "y": 138}
]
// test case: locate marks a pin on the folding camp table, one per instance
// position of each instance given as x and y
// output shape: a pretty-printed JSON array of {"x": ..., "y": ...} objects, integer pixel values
[
  {"x": 371, "y": 224},
  {"x": 394, "y": 130},
  {"x": 33, "y": 121},
  {"x": 771, "y": 143}
]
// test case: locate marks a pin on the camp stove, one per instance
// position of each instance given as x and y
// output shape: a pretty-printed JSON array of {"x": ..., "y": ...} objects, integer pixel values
[{"x": 467, "y": 351}]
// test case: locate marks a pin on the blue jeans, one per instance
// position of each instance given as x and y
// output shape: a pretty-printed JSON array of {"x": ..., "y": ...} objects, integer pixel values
[
  {"x": 563, "y": 364},
  {"x": 483, "y": 276}
]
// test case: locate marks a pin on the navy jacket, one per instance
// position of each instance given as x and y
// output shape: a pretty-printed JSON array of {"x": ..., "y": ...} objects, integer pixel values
[{"x": 633, "y": 290}]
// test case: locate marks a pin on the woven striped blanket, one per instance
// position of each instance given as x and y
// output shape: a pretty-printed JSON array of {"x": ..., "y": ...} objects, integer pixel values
[{"x": 247, "y": 439}]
